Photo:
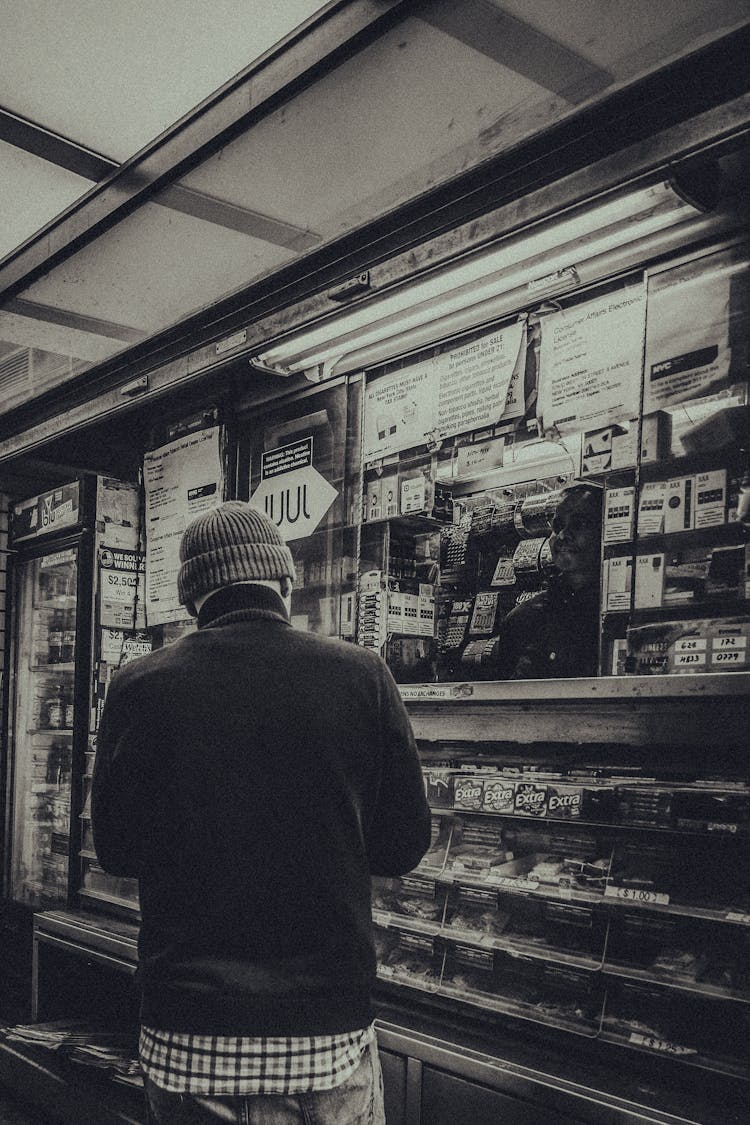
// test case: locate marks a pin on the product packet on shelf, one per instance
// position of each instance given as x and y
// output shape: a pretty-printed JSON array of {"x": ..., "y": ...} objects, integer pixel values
[
  {"x": 440, "y": 837},
  {"x": 413, "y": 896},
  {"x": 407, "y": 958},
  {"x": 438, "y": 786},
  {"x": 475, "y": 910},
  {"x": 714, "y": 809},
  {"x": 469, "y": 971},
  {"x": 570, "y": 995},
  {"x": 477, "y": 848}
]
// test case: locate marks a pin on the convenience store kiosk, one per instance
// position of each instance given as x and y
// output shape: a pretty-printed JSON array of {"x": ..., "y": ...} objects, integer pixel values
[{"x": 575, "y": 945}]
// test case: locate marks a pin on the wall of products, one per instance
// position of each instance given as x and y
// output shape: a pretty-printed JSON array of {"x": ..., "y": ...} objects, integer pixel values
[{"x": 641, "y": 391}]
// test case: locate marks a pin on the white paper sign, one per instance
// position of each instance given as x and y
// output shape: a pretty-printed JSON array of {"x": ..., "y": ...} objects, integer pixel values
[
  {"x": 590, "y": 363},
  {"x": 687, "y": 339},
  {"x": 468, "y": 388},
  {"x": 121, "y": 589},
  {"x": 482, "y": 382},
  {"x": 181, "y": 479},
  {"x": 399, "y": 411}
]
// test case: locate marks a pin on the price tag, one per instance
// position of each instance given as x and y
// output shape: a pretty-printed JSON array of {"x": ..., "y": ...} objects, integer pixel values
[
  {"x": 690, "y": 644},
  {"x": 632, "y": 894},
  {"x": 730, "y": 641},
  {"x": 728, "y": 657},
  {"x": 655, "y": 1044},
  {"x": 681, "y": 659}
]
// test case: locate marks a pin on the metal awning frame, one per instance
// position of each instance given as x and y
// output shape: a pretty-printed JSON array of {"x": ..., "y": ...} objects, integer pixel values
[
  {"x": 318, "y": 44},
  {"x": 706, "y": 135}
]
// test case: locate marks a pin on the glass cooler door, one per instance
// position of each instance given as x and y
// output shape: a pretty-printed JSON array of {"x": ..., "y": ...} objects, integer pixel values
[{"x": 41, "y": 727}]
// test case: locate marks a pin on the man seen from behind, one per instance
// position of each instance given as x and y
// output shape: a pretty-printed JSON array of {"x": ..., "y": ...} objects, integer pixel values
[{"x": 253, "y": 777}]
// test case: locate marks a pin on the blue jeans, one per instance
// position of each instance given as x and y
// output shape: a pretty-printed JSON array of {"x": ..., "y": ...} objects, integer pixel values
[{"x": 358, "y": 1101}]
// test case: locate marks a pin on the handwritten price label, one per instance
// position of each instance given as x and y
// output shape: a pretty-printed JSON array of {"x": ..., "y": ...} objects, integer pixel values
[
  {"x": 652, "y": 1043},
  {"x": 631, "y": 894}
]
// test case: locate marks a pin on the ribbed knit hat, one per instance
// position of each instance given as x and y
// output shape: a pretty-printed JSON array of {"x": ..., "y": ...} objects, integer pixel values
[{"x": 231, "y": 543}]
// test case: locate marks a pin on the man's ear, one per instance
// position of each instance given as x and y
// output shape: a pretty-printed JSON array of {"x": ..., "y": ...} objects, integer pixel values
[{"x": 286, "y": 586}]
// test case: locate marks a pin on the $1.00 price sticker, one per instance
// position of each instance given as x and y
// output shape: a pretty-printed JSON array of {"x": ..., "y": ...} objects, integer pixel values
[{"x": 632, "y": 894}]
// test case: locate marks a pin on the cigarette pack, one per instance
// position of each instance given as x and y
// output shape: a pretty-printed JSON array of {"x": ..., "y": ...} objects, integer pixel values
[
  {"x": 618, "y": 514},
  {"x": 710, "y": 498},
  {"x": 678, "y": 510},
  {"x": 649, "y": 581},
  {"x": 374, "y": 500},
  {"x": 651, "y": 506},
  {"x": 618, "y": 579}
]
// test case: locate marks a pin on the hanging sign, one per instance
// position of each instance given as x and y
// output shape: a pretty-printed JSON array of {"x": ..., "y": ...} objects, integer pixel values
[
  {"x": 121, "y": 589},
  {"x": 688, "y": 350},
  {"x": 399, "y": 411},
  {"x": 482, "y": 382},
  {"x": 292, "y": 493},
  {"x": 467, "y": 388},
  {"x": 181, "y": 479},
  {"x": 48, "y": 513},
  {"x": 590, "y": 363}
]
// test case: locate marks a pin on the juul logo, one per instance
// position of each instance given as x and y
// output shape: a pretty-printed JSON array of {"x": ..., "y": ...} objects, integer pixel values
[
  {"x": 295, "y": 501},
  {"x": 290, "y": 508}
]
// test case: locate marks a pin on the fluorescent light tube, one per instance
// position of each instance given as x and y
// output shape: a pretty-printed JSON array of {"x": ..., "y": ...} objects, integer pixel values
[{"x": 583, "y": 234}]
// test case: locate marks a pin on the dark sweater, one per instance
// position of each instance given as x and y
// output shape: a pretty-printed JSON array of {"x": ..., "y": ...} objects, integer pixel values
[
  {"x": 252, "y": 777},
  {"x": 555, "y": 634}
]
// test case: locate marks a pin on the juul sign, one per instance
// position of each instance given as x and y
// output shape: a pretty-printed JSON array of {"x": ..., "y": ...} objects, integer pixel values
[{"x": 292, "y": 492}]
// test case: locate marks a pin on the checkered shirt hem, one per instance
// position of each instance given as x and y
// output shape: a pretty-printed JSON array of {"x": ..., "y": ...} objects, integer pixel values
[{"x": 216, "y": 1065}]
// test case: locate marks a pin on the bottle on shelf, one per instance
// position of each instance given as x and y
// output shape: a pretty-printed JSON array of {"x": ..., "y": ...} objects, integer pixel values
[
  {"x": 57, "y": 707},
  {"x": 55, "y": 637},
  {"x": 68, "y": 644}
]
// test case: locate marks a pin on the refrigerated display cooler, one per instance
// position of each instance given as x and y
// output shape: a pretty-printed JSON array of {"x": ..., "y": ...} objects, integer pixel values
[
  {"x": 57, "y": 661},
  {"x": 51, "y": 536}
]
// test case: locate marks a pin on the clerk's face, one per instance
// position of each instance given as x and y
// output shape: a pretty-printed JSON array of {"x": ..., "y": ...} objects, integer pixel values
[{"x": 575, "y": 539}]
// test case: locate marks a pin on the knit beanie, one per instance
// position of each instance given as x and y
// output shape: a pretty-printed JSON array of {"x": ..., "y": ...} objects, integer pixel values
[{"x": 231, "y": 543}]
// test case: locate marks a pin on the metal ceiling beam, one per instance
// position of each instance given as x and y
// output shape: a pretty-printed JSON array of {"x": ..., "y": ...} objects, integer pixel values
[
  {"x": 340, "y": 28},
  {"x": 519, "y": 47},
  {"x": 67, "y": 319},
  {"x": 64, "y": 153},
  {"x": 45, "y": 144},
  {"x": 242, "y": 219}
]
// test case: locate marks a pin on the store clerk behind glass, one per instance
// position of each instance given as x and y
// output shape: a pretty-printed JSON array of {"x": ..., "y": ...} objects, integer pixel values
[{"x": 556, "y": 632}]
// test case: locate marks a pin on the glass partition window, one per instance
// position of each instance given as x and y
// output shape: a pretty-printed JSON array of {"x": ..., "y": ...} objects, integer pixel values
[
  {"x": 302, "y": 463},
  {"x": 567, "y": 494},
  {"x": 446, "y": 88}
]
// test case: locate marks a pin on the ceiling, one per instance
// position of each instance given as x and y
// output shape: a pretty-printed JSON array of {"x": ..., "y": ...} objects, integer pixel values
[
  {"x": 87, "y": 84},
  {"x": 111, "y": 77}
]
